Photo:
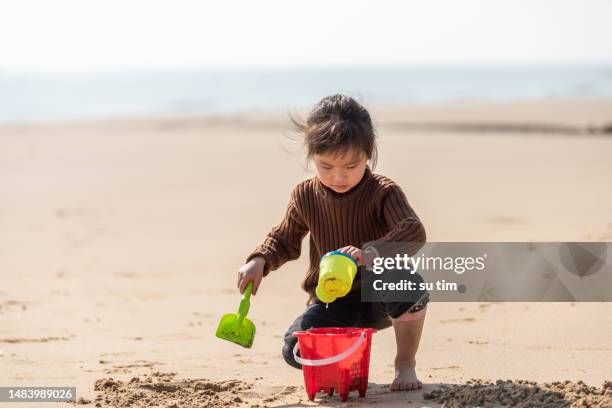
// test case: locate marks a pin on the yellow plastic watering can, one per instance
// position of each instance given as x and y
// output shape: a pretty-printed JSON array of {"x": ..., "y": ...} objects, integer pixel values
[{"x": 336, "y": 273}]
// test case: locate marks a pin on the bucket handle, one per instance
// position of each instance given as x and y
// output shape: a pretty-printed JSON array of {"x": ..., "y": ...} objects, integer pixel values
[{"x": 332, "y": 359}]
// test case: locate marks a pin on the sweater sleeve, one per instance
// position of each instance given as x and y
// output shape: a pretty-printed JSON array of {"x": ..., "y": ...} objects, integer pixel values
[
  {"x": 284, "y": 242},
  {"x": 404, "y": 228}
]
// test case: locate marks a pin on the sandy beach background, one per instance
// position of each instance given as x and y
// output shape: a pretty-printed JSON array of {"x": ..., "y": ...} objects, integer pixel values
[{"x": 120, "y": 242}]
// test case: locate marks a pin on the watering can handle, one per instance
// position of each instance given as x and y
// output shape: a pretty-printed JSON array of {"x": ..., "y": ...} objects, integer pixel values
[{"x": 332, "y": 359}]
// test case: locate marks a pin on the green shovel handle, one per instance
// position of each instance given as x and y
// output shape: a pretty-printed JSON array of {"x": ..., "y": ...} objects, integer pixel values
[
  {"x": 247, "y": 291},
  {"x": 243, "y": 309}
]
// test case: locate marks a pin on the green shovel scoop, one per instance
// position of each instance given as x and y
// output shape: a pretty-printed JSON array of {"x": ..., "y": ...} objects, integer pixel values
[{"x": 236, "y": 327}]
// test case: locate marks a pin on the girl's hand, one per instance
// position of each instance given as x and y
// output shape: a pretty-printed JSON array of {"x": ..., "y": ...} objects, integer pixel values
[
  {"x": 356, "y": 253},
  {"x": 251, "y": 271}
]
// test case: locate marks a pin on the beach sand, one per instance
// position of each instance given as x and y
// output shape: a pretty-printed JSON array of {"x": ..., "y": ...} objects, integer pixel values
[{"x": 120, "y": 242}]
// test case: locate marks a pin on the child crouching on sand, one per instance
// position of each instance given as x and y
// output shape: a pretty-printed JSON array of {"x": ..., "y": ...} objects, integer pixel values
[{"x": 344, "y": 206}]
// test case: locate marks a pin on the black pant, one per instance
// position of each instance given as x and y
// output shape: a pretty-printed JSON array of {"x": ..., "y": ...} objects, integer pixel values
[{"x": 347, "y": 311}]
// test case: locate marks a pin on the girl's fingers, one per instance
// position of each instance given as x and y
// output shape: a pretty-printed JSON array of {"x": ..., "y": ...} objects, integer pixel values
[
  {"x": 352, "y": 251},
  {"x": 243, "y": 284},
  {"x": 346, "y": 250},
  {"x": 256, "y": 284},
  {"x": 240, "y": 275},
  {"x": 358, "y": 257}
]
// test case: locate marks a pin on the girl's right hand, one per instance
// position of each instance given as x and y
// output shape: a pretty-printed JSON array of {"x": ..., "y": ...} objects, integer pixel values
[{"x": 252, "y": 271}]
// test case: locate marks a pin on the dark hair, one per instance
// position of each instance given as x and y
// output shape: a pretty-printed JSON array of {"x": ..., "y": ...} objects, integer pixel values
[{"x": 336, "y": 124}]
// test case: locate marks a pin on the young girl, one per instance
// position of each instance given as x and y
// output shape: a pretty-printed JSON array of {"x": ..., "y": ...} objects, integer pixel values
[{"x": 344, "y": 206}]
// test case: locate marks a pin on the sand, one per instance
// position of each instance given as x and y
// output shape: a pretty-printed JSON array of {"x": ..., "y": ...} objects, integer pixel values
[
  {"x": 163, "y": 389},
  {"x": 522, "y": 394},
  {"x": 120, "y": 242}
]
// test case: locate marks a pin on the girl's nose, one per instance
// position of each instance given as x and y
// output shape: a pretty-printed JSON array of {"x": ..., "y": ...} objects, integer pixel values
[{"x": 339, "y": 177}]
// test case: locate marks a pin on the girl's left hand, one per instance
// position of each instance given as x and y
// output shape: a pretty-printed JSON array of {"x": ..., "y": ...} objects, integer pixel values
[{"x": 354, "y": 252}]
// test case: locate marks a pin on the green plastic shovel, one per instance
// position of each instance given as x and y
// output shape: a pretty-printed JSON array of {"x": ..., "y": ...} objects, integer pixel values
[{"x": 236, "y": 327}]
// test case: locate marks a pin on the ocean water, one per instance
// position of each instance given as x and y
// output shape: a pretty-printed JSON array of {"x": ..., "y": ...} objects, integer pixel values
[{"x": 35, "y": 97}]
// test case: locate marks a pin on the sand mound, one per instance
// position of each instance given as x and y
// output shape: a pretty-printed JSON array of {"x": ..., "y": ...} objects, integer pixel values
[
  {"x": 164, "y": 390},
  {"x": 521, "y": 393}
]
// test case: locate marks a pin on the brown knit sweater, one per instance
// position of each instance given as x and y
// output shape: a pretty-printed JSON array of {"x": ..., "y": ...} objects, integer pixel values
[{"x": 376, "y": 209}]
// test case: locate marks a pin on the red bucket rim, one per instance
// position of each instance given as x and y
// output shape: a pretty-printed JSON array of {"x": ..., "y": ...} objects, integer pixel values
[{"x": 329, "y": 331}]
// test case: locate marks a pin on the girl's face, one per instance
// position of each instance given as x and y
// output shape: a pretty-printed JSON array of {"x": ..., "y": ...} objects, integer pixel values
[{"x": 340, "y": 172}]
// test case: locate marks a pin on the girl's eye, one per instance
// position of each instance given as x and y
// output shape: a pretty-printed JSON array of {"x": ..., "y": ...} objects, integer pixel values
[
  {"x": 351, "y": 167},
  {"x": 327, "y": 168}
]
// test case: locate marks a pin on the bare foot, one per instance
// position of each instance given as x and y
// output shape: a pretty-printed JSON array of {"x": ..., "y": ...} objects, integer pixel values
[{"x": 405, "y": 376}]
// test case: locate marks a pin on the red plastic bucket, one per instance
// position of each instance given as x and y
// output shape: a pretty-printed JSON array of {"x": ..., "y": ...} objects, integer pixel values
[{"x": 334, "y": 358}]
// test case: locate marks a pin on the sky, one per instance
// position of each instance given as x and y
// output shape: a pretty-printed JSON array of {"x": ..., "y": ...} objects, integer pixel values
[{"x": 111, "y": 35}]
